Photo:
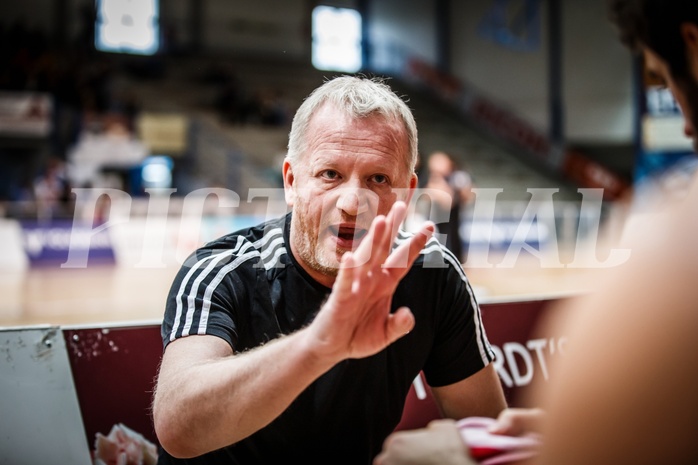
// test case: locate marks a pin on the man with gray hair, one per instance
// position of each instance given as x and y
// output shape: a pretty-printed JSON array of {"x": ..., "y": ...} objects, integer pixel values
[{"x": 297, "y": 340}]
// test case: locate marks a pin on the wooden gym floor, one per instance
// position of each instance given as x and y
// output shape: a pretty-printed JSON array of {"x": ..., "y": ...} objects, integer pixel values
[{"x": 110, "y": 294}]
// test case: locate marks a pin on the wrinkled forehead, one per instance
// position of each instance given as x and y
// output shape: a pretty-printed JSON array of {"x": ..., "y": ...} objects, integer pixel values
[{"x": 332, "y": 122}]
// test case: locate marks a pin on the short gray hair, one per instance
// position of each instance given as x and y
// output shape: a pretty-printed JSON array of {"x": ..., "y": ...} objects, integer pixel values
[{"x": 359, "y": 97}]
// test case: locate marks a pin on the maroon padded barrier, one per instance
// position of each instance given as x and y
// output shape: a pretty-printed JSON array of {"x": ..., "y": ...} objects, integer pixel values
[
  {"x": 509, "y": 325},
  {"x": 517, "y": 323},
  {"x": 114, "y": 372},
  {"x": 114, "y": 368}
]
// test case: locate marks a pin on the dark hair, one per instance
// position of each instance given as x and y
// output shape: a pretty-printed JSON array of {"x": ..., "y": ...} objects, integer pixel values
[{"x": 655, "y": 24}]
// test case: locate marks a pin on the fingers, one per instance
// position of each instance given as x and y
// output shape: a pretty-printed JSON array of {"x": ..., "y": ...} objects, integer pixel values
[
  {"x": 365, "y": 255},
  {"x": 375, "y": 249},
  {"x": 374, "y": 252},
  {"x": 407, "y": 252},
  {"x": 376, "y": 246},
  {"x": 517, "y": 421},
  {"x": 345, "y": 277},
  {"x": 396, "y": 216}
]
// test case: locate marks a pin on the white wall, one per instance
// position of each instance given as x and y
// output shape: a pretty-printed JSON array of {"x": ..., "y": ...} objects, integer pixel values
[
  {"x": 597, "y": 76},
  {"x": 516, "y": 79},
  {"x": 597, "y": 71}
]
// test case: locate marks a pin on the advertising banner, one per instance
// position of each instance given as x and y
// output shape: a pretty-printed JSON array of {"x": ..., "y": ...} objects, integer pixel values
[{"x": 47, "y": 243}]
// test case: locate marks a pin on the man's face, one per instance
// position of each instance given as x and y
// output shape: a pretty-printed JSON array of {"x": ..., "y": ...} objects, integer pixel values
[
  {"x": 351, "y": 171},
  {"x": 685, "y": 92}
]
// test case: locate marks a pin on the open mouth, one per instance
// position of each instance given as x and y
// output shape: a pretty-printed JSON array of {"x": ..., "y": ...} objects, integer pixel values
[{"x": 347, "y": 236}]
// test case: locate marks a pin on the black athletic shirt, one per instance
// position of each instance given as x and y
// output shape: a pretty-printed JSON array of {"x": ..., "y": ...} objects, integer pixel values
[{"x": 247, "y": 288}]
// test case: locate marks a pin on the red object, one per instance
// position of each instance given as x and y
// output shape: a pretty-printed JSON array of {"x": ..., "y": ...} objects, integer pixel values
[
  {"x": 114, "y": 371},
  {"x": 491, "y": 449}
]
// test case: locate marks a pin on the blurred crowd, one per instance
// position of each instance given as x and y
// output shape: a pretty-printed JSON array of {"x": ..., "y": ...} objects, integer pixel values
[{"x": 83, "y": 98}]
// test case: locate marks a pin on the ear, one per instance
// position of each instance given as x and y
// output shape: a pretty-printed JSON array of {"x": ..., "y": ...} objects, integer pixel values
[
  {"x": 413, "y": 185},
  {"x": 289, "y": 187}
]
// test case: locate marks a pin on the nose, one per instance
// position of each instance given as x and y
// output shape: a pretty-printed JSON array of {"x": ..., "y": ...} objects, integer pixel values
[
  {"x": 688, "y": 128},
  {"x": 353, "y": 201}
]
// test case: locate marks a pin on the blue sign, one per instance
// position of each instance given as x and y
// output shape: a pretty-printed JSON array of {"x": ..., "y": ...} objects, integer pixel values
[{"x": 47, "y": 243}]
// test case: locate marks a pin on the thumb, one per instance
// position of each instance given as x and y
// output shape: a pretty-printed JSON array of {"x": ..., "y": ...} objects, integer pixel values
[{"x": 399, "y": 324}]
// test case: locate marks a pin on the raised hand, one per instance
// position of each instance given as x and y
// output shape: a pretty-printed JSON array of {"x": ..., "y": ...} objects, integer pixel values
[{"x": 355, "y": 321}]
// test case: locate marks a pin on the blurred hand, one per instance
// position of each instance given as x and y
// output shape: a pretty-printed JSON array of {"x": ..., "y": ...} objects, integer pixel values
[
  {"x": 440, "y": 443},
  {"x": 519, "y": 421}
]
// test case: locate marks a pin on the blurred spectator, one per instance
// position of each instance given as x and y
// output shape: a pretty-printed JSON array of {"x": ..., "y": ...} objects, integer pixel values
[
  {"x": 52, "y": 191},
  {"x": 443, "y": 175}
]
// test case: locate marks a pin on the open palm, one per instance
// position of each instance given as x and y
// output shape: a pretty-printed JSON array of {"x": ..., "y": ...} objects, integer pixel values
[{"x": 356, "y": 321}]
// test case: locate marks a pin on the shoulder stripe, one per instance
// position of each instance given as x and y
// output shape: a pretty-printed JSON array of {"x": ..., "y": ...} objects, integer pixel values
[
  {"x": 206, "y": 305},
  {"x": 274, "y": 260},
  {"x": 211, "y": 262},
  {"x": 241, "y": 248},
  {"x": 486, "y": 352},
  {"x": 272, "y": 252}
]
